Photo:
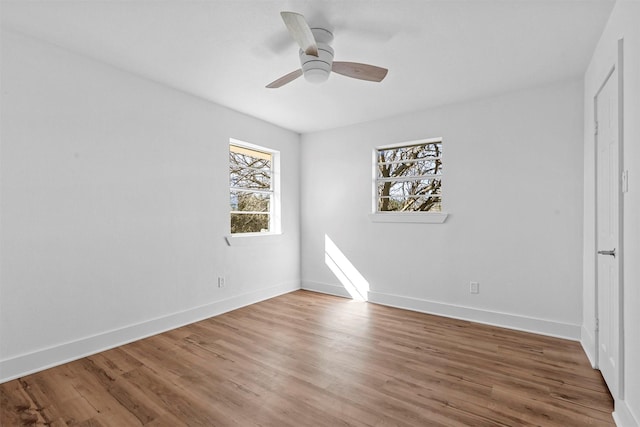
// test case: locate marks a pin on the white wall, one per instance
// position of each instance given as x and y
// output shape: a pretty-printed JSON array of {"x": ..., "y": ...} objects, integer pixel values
[
  {"x": 512, "y": 186},
  {"x": 623, "y": 23},
  {"x": 115, "y": 206}
]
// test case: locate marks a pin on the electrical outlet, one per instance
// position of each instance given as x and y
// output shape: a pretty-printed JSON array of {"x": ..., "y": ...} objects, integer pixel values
[
  {"x": 221, "y": 281},
  {"x": 474, "y": 287}
]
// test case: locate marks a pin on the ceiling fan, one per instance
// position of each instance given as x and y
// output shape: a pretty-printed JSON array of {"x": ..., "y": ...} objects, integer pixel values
[{"x": 316, "y": 56}]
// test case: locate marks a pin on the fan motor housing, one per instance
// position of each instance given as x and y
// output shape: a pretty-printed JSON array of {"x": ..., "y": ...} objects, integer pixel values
[{"x": 316, "y": 69}]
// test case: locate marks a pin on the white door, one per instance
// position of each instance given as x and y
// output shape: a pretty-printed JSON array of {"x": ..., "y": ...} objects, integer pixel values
[{"x": 607, "y": 243}]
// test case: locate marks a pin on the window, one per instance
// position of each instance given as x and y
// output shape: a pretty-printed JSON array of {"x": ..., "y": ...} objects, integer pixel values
[
  {"x": 252, "y": 188},
  {"x": 408, "y": 177}
]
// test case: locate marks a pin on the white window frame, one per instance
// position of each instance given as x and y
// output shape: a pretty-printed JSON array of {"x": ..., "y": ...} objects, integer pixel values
[
  {"x": 275, "y": 223},
  {"x": 405, "y": 217}
]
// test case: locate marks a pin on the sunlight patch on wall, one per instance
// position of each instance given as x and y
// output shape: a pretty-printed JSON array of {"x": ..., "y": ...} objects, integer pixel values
[{"x": 345, "y": 271}]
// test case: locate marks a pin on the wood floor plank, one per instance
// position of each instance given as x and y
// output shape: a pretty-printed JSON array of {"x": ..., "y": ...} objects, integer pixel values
[
  {"x": 17, "y": 407},
  {"x": 308, "y": 359}
]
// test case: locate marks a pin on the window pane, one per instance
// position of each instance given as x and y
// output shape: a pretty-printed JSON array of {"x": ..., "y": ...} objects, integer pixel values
[
  {"x": 248, "y": 156},
  {"x": 419, "y": 187},
  {"x": 249, "y": 168},
  {"x": 413, "y": 168},
  {"x": 432, "y": 149},
  {"x": 250, "y": 178},
  {"x": 249, "y": 202},
  {"x": 247, "y": 161},
  {"x": 242, "y": 176},
  {"x": 414, "y": 195},
  {"x": 249, "y": 223},
  {"x": 410, "y": 204}
]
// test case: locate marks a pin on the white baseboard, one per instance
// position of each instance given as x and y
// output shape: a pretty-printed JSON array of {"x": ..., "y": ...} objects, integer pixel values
[
  {"x": 623, "y": 416},
  {"x": 588, "y": 343},
  {"x": 325, "y": 288},
  {"x": 26, "y": 364},
  {"x": 504, "y": 320}
]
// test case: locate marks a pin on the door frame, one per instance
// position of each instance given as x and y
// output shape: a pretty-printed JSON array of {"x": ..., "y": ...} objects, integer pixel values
[{"x": 617, "y": 67}]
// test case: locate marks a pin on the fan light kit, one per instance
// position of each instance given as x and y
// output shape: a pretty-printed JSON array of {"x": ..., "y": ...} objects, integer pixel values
[{"x": 316, "y": 56}]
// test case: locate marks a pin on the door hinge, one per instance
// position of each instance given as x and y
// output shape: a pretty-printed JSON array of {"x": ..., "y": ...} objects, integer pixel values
[
  {"x": 597, "y": 325},
  {"x": 595, "y": 127}
]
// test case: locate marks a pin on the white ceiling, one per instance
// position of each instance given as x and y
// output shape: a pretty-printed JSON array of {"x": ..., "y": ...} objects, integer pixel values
[{"x": 437, "y": 52}]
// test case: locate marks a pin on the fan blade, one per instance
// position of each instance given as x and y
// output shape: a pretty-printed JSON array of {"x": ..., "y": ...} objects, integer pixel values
[
  {"x": 285, "y": 79},
  {"x": 360, "y": 71},
  {"x": 300, "y": 31}
]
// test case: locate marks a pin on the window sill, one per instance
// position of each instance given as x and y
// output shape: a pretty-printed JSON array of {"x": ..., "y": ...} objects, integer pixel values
[
  {"x": 410, "y": 217},
  {"x": 253, "y": 239}
]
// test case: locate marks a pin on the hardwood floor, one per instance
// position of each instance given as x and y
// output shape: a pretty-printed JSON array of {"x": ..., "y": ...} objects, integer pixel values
[{"x": 307, "y": 359}]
